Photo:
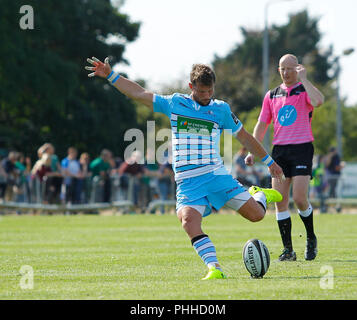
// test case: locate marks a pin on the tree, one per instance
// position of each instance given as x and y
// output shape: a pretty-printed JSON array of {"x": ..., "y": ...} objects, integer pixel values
[
  {"x": 239, "y": 73},
  {"x": 239, "y": 76},
  {"x": 45, "y": 94}
]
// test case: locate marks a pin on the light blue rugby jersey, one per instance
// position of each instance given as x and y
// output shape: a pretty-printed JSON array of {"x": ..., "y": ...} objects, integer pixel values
[{"x": 196, "y": 133}]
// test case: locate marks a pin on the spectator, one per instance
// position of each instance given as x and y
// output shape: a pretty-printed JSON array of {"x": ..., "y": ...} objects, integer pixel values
[
  {"x": 115, "y": 163},
  {"x": 334, "y": 167},
  {"x": 71, "y": 172},
  {"x": 41, "y": 167},
  {"x": 12, "y": 174},
  {"x": 116, "y": 191},
  {"x": 319, "y": 183},
  {"x": 84, "y": 161},
  {"x": 50, "y": 149},
  {"x": 240, "y": 168},
  {"x": 22, "y": 190},
  {"x": 132, "y": 169},
  {"x": 165, "y": 182},
  {"x": 41, "y": 150},
  {"x": 43, "y": 171},
  {"x": 246, "y": 176},
  {"x": 149, "y": 179},
  {"x": 3, "y": 177},
  {"x": 118, "y": 161},
  {"x": 100, "y": 169},
  {"x": 84, "y": 177},
  {"x": 55, "y": 179}
]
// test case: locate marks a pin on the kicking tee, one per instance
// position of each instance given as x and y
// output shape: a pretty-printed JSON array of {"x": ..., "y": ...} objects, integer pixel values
[
  {"x": 196, "y": 131},
  {"x": 291, "y": 111}
]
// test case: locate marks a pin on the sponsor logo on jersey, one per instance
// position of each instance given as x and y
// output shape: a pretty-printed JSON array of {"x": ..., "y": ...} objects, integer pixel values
[
  {"x": 287, "y": 115},
  {"x": 194, "y": 126}
]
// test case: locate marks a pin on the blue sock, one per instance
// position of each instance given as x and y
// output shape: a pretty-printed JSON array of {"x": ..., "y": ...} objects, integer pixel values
[{"x": 206, "y": 250}]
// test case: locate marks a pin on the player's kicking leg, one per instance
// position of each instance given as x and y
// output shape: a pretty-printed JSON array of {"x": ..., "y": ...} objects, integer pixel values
[{"x": 252, "y": 204}]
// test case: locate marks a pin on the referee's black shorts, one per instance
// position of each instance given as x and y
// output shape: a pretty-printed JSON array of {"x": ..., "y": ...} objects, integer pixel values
[{"x": 294, "y": 159}]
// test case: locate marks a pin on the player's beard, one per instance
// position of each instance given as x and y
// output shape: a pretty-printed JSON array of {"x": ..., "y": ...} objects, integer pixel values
[{"x": 204, "y": 102}]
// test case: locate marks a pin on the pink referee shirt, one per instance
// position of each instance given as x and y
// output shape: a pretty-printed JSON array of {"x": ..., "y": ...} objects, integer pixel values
[{"x": 291, "y": 112}]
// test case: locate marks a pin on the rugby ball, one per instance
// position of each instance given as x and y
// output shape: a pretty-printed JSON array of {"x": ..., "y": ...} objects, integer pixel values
[{"x": 256, "y": 258}]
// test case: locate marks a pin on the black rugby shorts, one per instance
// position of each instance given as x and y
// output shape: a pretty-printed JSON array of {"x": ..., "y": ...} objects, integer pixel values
[{"x": 294, "y": 159}]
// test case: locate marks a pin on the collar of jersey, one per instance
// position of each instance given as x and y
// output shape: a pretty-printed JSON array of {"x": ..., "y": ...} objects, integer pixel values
[{"x": 283, "y": 86}]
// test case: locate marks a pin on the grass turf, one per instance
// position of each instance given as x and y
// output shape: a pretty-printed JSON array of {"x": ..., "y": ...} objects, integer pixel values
[{"x": 134, "y": 257}]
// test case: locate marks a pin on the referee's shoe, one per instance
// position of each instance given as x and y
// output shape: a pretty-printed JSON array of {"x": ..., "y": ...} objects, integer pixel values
[
  {"x": 311, "y": 249},
  {"x": 287, "y": 255}
]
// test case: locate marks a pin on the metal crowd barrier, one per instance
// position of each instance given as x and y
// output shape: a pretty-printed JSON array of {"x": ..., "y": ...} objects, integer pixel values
[
  {"x": 66, "y": 208},
  {"x": 125, "y": 195},
  {"x": 122, "y": 196}
]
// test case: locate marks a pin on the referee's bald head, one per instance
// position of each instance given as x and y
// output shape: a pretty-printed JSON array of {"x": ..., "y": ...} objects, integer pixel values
[{"x": 289, "y": 58}]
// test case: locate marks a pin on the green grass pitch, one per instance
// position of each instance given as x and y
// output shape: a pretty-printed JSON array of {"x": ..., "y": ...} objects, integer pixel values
[{"x": 131, "y": 257}]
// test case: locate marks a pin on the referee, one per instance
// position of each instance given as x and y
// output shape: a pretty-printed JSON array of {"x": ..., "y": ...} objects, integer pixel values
[{"x": 290, "y": 107}]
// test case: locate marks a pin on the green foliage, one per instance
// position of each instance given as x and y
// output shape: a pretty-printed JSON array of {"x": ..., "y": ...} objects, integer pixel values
[
  {"x": 349, "y": 132},
  {"x": 239, "y": 77},
  {"x": 238, "y": 86},
  {"x": 240, "y": 72},
  {"x": 45, "y": 94},
  {"x": 324, "y": 127}
]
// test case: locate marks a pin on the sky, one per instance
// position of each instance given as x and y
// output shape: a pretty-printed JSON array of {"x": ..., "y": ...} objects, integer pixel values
[{"x": 175, "y": 34}]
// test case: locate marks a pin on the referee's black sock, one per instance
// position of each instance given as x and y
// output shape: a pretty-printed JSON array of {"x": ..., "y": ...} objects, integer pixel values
[
  {"x": 307, "y": 218},
  {"x": 285, "y": 232}
]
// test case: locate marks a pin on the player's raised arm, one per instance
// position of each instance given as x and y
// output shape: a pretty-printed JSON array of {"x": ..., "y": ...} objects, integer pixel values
[{"x": 130, "y": 88}]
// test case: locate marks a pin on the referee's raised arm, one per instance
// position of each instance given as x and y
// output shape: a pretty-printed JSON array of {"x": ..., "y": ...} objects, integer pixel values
[{"x": 129, "y": 88}]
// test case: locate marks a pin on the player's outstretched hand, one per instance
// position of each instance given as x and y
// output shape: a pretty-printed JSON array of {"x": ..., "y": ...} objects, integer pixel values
[
  {"x": 276, "y": 172},
  {"x": 100, "y": 69},
  {"x": 249, "y": 159}
]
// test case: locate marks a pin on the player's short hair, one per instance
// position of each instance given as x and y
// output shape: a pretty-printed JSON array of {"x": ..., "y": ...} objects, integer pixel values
[{"x": 202, "y": 74}]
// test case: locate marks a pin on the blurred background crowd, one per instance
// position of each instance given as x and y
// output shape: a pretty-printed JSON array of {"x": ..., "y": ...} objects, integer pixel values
[{"x": 80, "y": 179}]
